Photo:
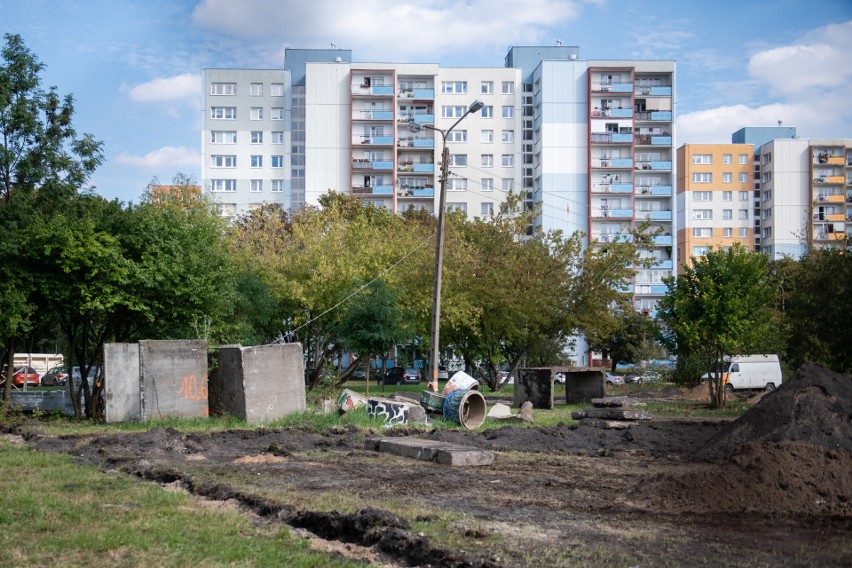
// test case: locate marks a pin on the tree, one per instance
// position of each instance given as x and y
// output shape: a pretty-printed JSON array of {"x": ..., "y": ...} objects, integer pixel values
[
  {"x": 815, "y": 302},
  {"x": 43, "y": 163},
  {"x": 373, "y": 323},
  {"x": 632, "y": 340},
  {"x": 719, "y": 307}
]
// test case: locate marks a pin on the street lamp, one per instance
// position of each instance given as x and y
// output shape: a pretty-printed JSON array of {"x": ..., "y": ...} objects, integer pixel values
[{"x": 439, "y": 245}]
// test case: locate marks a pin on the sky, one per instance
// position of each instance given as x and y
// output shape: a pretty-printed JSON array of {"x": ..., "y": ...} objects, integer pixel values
[{"x": 134, "y": 66}]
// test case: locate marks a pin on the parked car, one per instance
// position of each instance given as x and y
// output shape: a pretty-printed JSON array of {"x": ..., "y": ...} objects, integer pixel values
[
  {"x": 75, "y": 375},
  {"x": 503, "y": 375},
  {"x": 443, "y": 374},
  {"x": 55, "y": 376},
  {"x": 22, "y": 374},
  {"x": 402, "y": 376},
  {"x": 613, "y": 380},
  {"x": 361, "y": 374}
]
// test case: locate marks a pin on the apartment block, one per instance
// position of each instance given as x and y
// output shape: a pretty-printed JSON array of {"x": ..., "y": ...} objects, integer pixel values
[{"x": 715, "y": 198}]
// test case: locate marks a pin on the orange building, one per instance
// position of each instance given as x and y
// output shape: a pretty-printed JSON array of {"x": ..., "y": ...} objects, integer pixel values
[{"x": 714, "y": 199}]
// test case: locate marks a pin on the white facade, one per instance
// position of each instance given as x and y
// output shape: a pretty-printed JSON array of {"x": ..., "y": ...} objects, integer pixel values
[{"x": 785, "y": 190}]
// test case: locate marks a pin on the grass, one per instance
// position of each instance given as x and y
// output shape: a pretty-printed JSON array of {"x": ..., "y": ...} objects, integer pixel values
[{"x": 55, "y": 512}]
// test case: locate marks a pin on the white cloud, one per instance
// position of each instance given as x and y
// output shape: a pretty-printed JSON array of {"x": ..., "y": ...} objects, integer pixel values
[
  {"x": 812, "y": 84},
  {"x": 411, "y": 31},
  {"x": 183, "y": 86},
  {"x": 165, "y": 157}
]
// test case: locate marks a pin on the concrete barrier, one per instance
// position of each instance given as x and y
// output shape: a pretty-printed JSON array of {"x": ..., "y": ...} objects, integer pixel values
[
  {"x": 122, "y": 390},
  {"x": 173, "y": 379},
  {"x": 534, "y": 385},
  {"x": 258, "y": 384}
]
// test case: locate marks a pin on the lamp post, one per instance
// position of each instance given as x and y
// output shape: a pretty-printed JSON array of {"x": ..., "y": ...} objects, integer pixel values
[{"x": 439, "y": 245}]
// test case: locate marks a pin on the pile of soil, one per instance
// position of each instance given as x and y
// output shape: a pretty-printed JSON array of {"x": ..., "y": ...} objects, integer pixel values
[{"x": 791, "y": 453}]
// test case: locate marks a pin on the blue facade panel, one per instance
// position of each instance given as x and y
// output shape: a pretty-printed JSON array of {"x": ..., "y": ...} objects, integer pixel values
[{"x": 424, "y": 168}]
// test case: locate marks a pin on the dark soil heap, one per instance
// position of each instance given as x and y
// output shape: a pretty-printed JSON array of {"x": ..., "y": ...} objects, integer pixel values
[{"x": 790, "y": 454}]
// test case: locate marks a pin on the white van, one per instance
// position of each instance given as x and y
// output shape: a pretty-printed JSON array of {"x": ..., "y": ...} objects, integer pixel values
[{"x": 753, "y": 372}]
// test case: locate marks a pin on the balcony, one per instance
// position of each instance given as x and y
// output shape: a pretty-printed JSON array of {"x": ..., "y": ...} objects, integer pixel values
[
  {"x": 613, "y": 163},
  {"x": 367, "y": 164},
  {"x": 613, "y": 238},
  {"x": 823, "y": 158},
  {"x": 613, "y": 113},
  {"x": 373, "y": 115},
  {"x": 653, "y": 140},
  {"x": 416, "y": 142},
  {"x": 407, "y": 191},
  {"x": 422, "y": 168},
  {"x": 612, "y": 138},
  {"x": 829, "y": 198},
  {"x": 612, "y": 87},
  {"x": 825, "y": 236},
  {"x": 366, "y": 90},
  {"x": 653, "y": 91},
  {"x": 610, "y": 213},
  {"x": 377, "y": 190},
  {"x": 374, "y": 141},
  {"x": 831, "y": 217},
  {"x": 655, "y": 115},
  {"x": 663, "y": 240},
  {"x": 418, "y": 118},
  {"x": 417, "y": 94},
  {"x": 655, "y": 165},
  {"x": 653, "y": 190},
  {"x": 626, "y": 289},
  {"x": 659, "y": 215},
  {"x": 612, "y": 188}
]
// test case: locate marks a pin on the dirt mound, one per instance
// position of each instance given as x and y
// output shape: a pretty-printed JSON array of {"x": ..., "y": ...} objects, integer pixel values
[{"x": 814, "y": 407}]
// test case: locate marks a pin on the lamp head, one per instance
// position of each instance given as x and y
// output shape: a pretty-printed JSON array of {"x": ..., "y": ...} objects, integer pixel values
[
  {"x": 414, "y": 126},
  {"x": 475, "y": 106}
]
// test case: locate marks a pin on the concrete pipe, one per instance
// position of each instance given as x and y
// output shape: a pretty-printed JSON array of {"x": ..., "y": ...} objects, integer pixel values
[{"x": 466, "y": 407}]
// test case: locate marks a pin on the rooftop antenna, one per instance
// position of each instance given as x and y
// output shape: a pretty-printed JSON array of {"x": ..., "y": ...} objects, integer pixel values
[
  {"x": 558, "y": 42},
  {"x": 779, "y": 123},
  {"x": 333, "y": 45}
]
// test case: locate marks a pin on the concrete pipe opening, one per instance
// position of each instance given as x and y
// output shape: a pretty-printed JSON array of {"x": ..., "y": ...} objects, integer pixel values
[{"x": 465, "y": 407}]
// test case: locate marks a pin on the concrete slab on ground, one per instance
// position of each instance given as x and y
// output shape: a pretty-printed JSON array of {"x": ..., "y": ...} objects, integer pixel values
[{"x": 432, "y": 450}]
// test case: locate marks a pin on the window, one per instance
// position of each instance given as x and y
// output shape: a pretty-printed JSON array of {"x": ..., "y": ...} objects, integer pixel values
[
  {"x": 487, "y": 160},
  {"x": 727, "y": 177},
  {"x": 487, "y": 136},
  {"x": 767, "y": 176},
  {"x": 767, "y": 213},
  {"x": 278, "y": 161},
  {"x": 277, "y": 185},
  {"x": 223, "y": 161},
  {"x": 727, "y": 214},
  {"x": 727, "y": 196},
  {"x": 487, "y": 209},
  {"x": 742, "y": 177},
  {"x": 766, "y": 158},
  {"x": 702, "y": 158},
  {"x": 458, "y": 160},
  {"x": 457, "y": 136},
  {"x": 276, "y": 89},
  {"x": 257, "y": 137},
  {"x": 257, "y": 185},
  {"x": 256, "y": 161},
  {"x": 702, "y": 196},
  {"x": 277, "y": 113},
  {"x": 452, "y": 111},
  {"x": 507, "y": 160},
  {"x": 487, "y": 184},
  {"x": 743, "y": 196},
  {"x": 728, "y": 232},
  {"x": 457, "y": 184},
  {"x": 488, "y": 112},
  {"x": 767, "y": 232},
  {"x": 508, "y": 136},
  {"x": 727, "y": 158},
  {"x": 256, "y": 90},
  {"x": 507, "y": 88},
  {"x": 223, "y": 113},
  {"x": 223, "y": 88},
  {"x": 508, "y": 111},
  {"x": 705, "y": 214},
  {"x": 454, "y": 87},
  {"x": 457, "y": 207},
  {"x": 742, "y": 215},
  {"x": 699, "y": 251},
  {"x": 702, "y": 177},
  {"x": 702, "y": 233},
  {"x": 508, "y": 184},
  {"x": 486, "y": 87},
  {"x": 277, "y": 137},
  {"x": 218, "y": 185},
  {"x": 767, "y": 195},
  {"x": 256, "y": 113},
  {"x": 742, "y": 159},
  {"x": 743, "y": 232},
  {"x": 223, "y": 136}
]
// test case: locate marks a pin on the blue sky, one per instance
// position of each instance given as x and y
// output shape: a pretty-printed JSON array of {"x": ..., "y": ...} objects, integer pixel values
[{"x": 134, "y": 67}]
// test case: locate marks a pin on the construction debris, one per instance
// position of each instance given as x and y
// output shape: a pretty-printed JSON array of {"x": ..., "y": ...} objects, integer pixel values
[{"x": 615, "y": 412}]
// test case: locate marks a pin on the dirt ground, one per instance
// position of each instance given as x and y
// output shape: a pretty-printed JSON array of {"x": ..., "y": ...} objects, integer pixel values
[{"x": 772, "y": 488}]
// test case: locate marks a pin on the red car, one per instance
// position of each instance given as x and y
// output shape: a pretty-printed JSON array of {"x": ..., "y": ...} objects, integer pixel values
[{"x": 24, "y": 373}]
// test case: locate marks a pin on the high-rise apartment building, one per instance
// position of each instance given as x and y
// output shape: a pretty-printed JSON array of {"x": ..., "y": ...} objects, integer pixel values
[{"x": 715, "y": 198}]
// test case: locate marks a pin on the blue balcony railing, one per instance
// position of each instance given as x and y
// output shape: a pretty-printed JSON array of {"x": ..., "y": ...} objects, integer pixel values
[
  {"x": 663, "y": 240},
  {"x": 661, "y": 215},
  {"x": 424, "y": 192},
  {"x": 382, "y": 90},
  {"x": 382, "y": 165}
]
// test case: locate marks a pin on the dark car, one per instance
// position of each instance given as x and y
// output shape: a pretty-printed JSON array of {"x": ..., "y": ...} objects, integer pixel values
[
  {"x": 55, "y": 376},
  {"x": 402, "y": 376}
]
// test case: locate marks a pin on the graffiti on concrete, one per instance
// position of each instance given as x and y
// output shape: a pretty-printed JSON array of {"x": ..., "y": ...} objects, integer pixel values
[{"x": 391, "y": 412}]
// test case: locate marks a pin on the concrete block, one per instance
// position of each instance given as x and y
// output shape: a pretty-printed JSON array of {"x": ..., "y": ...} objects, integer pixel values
[
  {"x": 608, "y": 424},
  {"x": 122, "y": 385},
  {"x": 615, "y": 401},
  {"x": 395, "y": 411},
  {"x": 173, "y": 379},
  {"x": 611, "y": 414},
  {"x": 258, "y": 384},
  {"x": 534, "y": 385},
  {"x": 350, "y": 400},
  {"x": 444, "y": 453},
  {"x": 464, "y": 456},
  {"x": 500, "y": 410},
  {"x": 582, "y": 384}
]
